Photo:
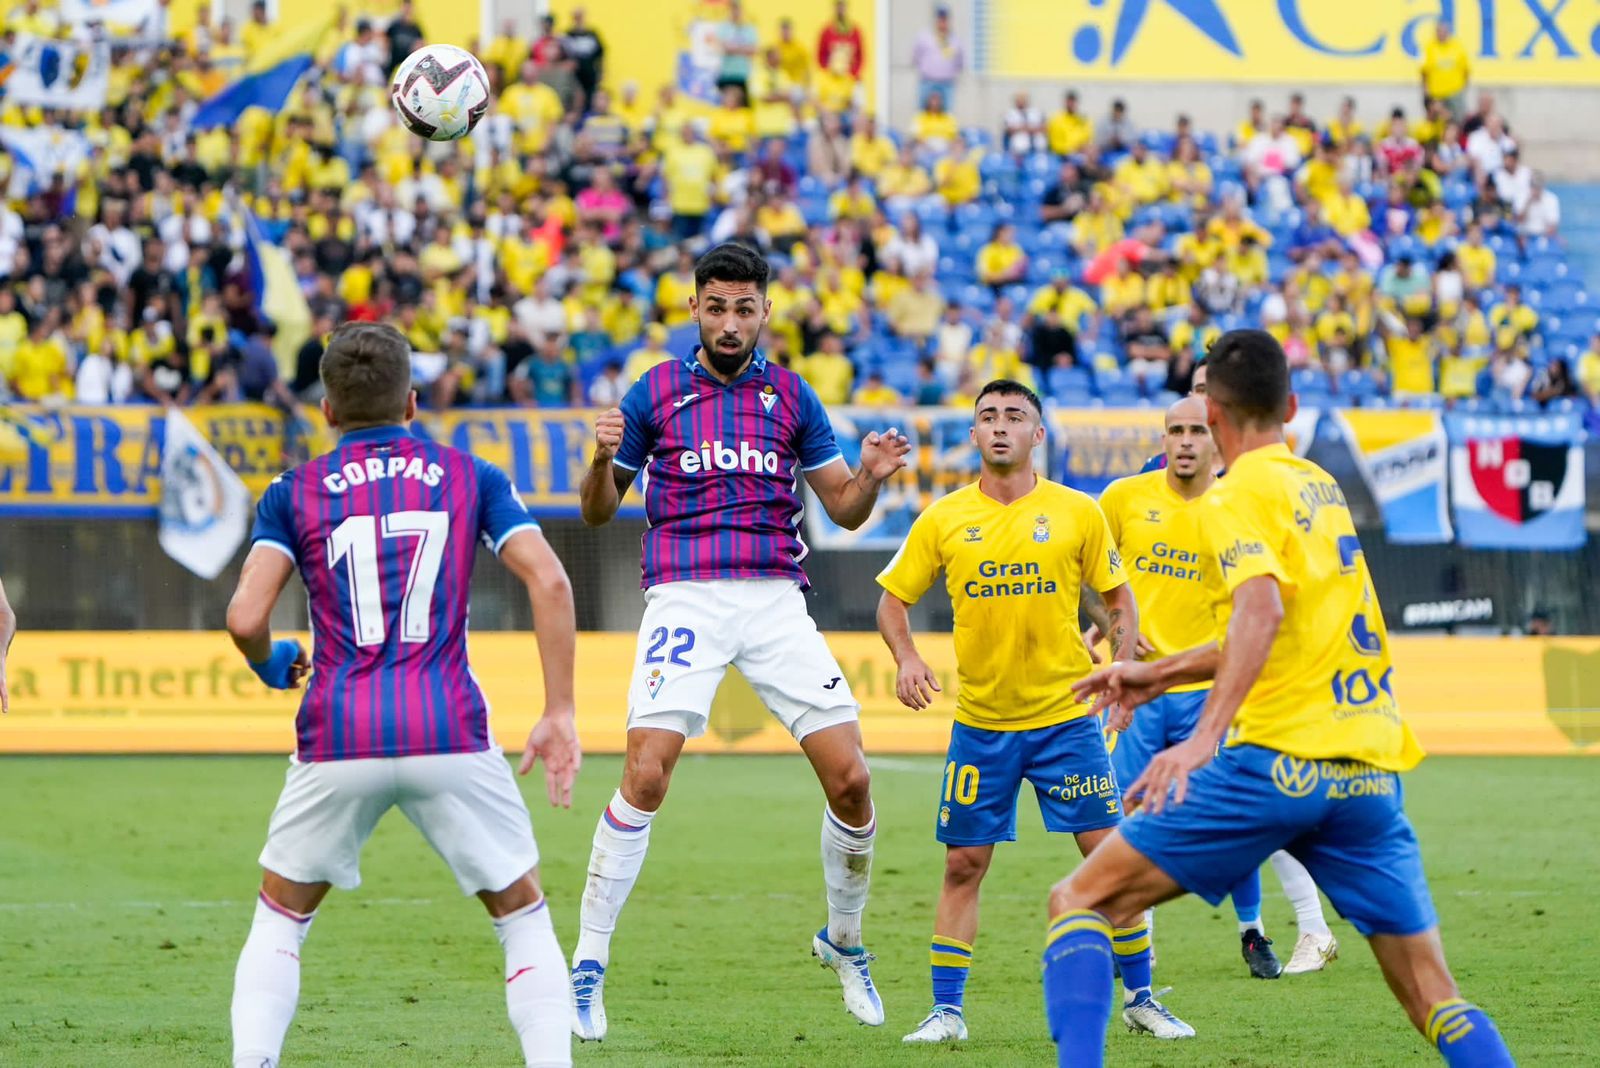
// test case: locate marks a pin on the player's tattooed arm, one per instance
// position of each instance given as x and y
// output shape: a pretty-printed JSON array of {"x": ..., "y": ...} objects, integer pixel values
[
  {"x": 1100, "y": 626},
  {"x": 600, "y": 494},
  {"x": 1122, "y": 622}
]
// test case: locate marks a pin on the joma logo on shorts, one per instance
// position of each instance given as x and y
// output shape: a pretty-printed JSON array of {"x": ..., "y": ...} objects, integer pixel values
[{"x": 715, "y": 456}]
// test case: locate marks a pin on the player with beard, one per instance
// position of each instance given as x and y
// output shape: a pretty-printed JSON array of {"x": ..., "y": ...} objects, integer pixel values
[{"x": 722, "y": 438}]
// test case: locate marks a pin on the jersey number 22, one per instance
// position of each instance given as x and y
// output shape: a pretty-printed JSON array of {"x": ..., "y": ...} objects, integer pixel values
[{"x": 355, "y": 541}]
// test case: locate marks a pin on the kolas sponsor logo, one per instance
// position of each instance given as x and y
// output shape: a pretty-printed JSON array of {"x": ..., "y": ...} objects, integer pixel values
[
  {"x": 715, "y": 456},
  {"x": 1235, "y": 553},
  {"x": 1518, "y": 479}
]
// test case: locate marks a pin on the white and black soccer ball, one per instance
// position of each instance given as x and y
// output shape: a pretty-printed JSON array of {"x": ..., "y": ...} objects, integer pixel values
[{"x": 440, "y": 92}]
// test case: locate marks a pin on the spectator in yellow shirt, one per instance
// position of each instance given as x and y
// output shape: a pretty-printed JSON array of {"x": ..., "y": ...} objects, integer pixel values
[
  {"x": 956, "y": 176},
  {"x": 1445, "y": 70},
  {"x": 732, "y": 124},
  {"x": 1588, "y": 371},
  {"x": 689, "y": 168},
  {"x": 1166, "y": 288},
  {"x": 1141, "y": 175},
  {"x": 1002, "y": 262},
  {"x": 830, "y": 371},
  {"x": 1069, "y": 130},
  {"x": 1411, "y": 360},
  {"x": 875, "y": 393},
  {"x": 1345, "y": 211},
  {"x": 1476, "y": 260},
  {"x": 1344, "y": 127},
  {"x": 1514, "y": 314},
  {"x": 795, "y": 57},
  {"x": 915, "y": 312},
  {"x": 854, "y": 201},
  {"x": 40, "y": 369},
  {"x": 257, "y": 31},
  {"x": 870, "y": 151},
  {"x": 1072, "y": 305},
  {"x": 651, "y": 354},
  {"x": 935, "y": 128},
  {"x": 1122, "y": 291},
  {"x": 1188, "y": 177}
]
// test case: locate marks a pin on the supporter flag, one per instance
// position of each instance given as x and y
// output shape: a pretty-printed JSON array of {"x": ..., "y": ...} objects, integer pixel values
[
  {"x": 277, "y": 292},
  {"x": 1301, "y": 431},
  {"x": 1517, "y": 481},
  {"x": 38, "y": 153},
  {"x": 65, "y": 75},
  {"x": 270, "y": 76},
  {"x": 122, "y": 14},
  {"x": 1401, "y": 456},
  {"x": 205, "y": 508}
]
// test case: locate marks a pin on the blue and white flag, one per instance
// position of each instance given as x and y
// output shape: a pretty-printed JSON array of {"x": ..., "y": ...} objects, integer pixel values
[
  {"x": 205, "y": 507},
  {"x": 38, "y": 153},
  {"x": 270, "y": 76},
  {"x": 65, "y": 75},
  {"x": 1401, "y": 455},
  {"x": 1517, "y": 481}
]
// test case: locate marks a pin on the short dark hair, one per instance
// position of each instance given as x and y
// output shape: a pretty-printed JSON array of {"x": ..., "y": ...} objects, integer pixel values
[
  {"x": 366, "y": 370},
  {"x": 730, "y": 262},
  {"x": 1008, "y": 387},
  {"x": 1248, "y": 374}
]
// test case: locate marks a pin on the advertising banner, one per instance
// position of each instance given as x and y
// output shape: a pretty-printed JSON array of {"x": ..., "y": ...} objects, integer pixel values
[
  {"x": 1329, "y": 42},
  {"x": 1517, "y": 481},
  {"x": 189, "y": 692},
  {"x": 1403, "y": 457}
]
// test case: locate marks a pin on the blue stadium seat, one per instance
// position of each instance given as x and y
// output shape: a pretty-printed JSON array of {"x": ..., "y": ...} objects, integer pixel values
[
  {"x": 1064, "y": 380},
  {"x": 1073, "y": 398},
  {"x": 1309, "y": 380},
  {"x": 1358, "y": 383}
]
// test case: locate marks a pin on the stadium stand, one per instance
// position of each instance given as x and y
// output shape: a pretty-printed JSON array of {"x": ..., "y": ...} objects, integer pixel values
[{"x": 1401, "y": 259}]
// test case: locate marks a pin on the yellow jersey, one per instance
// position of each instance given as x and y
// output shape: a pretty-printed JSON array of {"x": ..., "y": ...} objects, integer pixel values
[
  {"x": 1157, "y": 534},
  {"x": 1326, "y": 690},
  {"x": 1013, "y": 572}
]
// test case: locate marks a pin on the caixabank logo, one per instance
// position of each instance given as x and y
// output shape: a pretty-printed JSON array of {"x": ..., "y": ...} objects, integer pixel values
[{"x": 1301, "y": 41}]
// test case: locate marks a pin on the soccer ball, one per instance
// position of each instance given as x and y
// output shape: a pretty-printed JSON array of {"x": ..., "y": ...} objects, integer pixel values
[{"x": 440, "y": 92}]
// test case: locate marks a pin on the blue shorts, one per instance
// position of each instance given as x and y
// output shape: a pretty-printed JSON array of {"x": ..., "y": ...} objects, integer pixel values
[
  {"x": 1067, "y": 764},
  {"x": 1161, "y": 724},
  {"x": 1344, "y": 820}
]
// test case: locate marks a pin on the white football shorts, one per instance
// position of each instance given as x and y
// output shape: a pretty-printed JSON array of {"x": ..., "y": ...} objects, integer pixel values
[
  {"x": 693, "y": 630},
  {"x": 465, "y": 804}
]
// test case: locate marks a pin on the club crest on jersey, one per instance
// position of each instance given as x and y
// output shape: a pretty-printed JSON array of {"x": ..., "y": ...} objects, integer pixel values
[
  {"x": 944, "y": 815},
  {"x": 768, "y": 398},
  {"x": 654, "y": 682},
  {"x": 1041, "y": 528},
  {"x": 974, "y": 534}
]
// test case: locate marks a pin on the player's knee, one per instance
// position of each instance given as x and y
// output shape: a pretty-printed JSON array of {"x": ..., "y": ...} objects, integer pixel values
[
  {"x": 1063, "y": 898},
  {"x": 965, "y": 867},
  {"x": 644, "y": 781},
  {"x": 849, "y": 791}
]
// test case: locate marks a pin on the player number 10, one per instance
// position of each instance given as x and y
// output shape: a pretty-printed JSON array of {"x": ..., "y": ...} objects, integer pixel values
[
  {"x": 960, "y": 784},
  {"x": 355, "y": 541}
]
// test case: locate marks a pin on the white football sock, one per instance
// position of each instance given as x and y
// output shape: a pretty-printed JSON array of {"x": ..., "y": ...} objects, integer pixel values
[
  {"x": 847, "y": 870},
  {"x": 620, "y": 841},
  {"x": 1301, "y": 890},
  {"x": 266, "y": 984},
  {"x": 537, "y": 994}
]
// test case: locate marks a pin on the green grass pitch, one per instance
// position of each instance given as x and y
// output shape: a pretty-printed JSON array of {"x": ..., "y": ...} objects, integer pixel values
[{"x": 126, "y": 887}]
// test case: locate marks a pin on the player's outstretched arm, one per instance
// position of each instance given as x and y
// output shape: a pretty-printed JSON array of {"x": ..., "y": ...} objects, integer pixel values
[
  {"x": 1131, "y": 683},
  {"x": 281, "y": 664},
  {"x": 600, "y": 494},
  {"x": 554, "y": 739},
  {"x": 8, "y": 630},
  {"x": 1257, "y": 615},
  {"x": 914, "y": 683},
  {"x": 848, "y": 496}
]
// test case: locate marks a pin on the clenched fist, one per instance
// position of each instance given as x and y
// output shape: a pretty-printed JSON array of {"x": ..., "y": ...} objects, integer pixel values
[{"x": 607, "y": 435}]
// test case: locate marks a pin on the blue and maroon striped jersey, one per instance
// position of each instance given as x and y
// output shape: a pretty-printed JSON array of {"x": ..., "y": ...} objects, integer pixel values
[
  {"x": 385, "y": 531},
  {"x": 721, "y": 490}
]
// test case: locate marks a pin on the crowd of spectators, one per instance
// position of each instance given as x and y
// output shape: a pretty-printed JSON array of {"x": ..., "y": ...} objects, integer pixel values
[{"x": 548, "y": 258}]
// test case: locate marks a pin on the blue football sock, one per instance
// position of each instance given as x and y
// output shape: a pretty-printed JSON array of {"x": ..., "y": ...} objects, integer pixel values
[
  {"x": 1077, "y": 987},
  {"x": 1132, "y": 948},
  {"x": 1247, "y": 902},
  {"x": 951, "y": 959},
  {"x": 1466, "y": 1037}
]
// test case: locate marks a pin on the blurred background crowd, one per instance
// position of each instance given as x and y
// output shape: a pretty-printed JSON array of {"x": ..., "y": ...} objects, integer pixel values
[{"x": 1412, "y": 256}]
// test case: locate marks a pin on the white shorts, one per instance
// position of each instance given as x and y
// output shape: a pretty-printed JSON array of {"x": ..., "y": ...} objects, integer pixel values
[
  {"x": 693, "y": 630},
  {"x": 465, "y": 804}
]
